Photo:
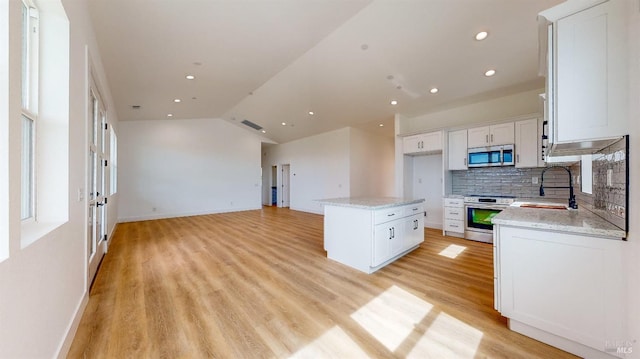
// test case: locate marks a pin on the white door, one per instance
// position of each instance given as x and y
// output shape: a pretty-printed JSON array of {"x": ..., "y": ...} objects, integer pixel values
[
  {"x": 96, "y": 185},
  {"x": 285, "y": 185}
]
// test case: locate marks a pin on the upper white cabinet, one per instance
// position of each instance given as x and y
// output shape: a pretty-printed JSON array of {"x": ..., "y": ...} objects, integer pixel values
[
  {"x": 501, "y": 134},
  {"x": 587, "y": 82},
  {"x": 527, "y": 144},
  {"x": 457, "y": 150},
  {"x": 422, "y": 143}
]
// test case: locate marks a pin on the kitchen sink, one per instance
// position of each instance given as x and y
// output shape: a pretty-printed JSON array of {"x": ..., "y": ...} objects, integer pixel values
[
  {"x": 540, "y": 205},
  {"x": 543, "y": 206}
]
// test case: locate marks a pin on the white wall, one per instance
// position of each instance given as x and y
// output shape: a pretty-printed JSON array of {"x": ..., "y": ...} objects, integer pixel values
[
  {"x": 494, "y": 110},
  {"x": 427, "y": 184},
  {"x": 319, "y": 168},
  {"x": 633, "y": 252},
  {"x": 171, "y": 168},
  {"x": 44, "y": 285},
  {"x": 371, "y": 164}
]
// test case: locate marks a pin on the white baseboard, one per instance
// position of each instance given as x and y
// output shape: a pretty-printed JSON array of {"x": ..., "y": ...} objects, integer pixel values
[
  {"x": 183, "y": 214},
  {"x": 434, "y": 225},
  {"x": 63, "y": 349}
]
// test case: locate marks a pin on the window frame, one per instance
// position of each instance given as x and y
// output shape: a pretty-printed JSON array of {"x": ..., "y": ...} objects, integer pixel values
[{"x": 29, "y": 109}]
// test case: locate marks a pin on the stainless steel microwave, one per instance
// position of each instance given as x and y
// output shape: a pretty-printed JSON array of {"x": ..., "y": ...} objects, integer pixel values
[{"x": 491, "y": 156}]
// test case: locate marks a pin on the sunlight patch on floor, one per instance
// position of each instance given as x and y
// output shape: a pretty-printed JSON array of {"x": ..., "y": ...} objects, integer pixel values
[
  {"x": 392, "y": 316},
  {"x": 447, "y": 337},
  {"x": 452, "y": 251},
  {"x": 334, "y": 343}
]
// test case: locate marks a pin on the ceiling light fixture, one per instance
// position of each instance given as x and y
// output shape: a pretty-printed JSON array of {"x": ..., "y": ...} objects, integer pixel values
[
  {"x": 284, "y": 124},
  {"x": 169, "y": 115},
  {"x": 381, "y": 125},
  {"x": 434, "y": 90},
  {"x": 190, "y": 77},
  {"x": 311, "y": 113},
  {"x": 263, "y": 131},
  {"x": 394, "y": 102},
  {"x": 481, "y": 35},
  {"x": 177, "y": 100},
  {"x": 490, "y": 73}
]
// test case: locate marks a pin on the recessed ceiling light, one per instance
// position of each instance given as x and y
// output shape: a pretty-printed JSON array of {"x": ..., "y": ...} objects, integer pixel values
[
  {"x": 490, "y": 73},
  {"x": 176, "y": 100},
  {"x": 364, "y": 47},
  {"x": 284, "y": 124},
  {"x": 264, "y": 131},
  {"x": 190, "y": 77},
  {"x": 381, "y": 125},
  {"x": 434, "y": 90},
  {"x": 311, "y": 113},
  {"x": 169, "y": 115},
  {"x": 481, "y": 35},
  {"x": 394, "y": 102}
]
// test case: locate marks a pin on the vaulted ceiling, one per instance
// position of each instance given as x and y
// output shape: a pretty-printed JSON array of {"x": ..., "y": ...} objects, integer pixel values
[{"x": 275, "y": 61}]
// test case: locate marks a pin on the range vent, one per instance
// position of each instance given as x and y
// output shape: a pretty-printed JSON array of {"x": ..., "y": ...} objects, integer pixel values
[{"x": 252, "y": 125}]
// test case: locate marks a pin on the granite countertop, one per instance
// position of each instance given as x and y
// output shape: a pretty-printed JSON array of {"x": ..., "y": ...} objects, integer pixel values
[
  {"x": 369, "y": 202},
  {"x": 580, "y": 221}
]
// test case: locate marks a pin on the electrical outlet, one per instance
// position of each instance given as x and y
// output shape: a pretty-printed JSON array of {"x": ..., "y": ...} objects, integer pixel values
[
  {"x": 534, "y": 180},
  {"x": 80, "y": 194},
  {"x": 153, "y": 209}
]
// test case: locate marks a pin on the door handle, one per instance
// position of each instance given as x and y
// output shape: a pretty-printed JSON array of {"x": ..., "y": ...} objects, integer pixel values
[
  {"x": 486, "y": 138},
  {"x": 99, "y": 204},
  {"x": 518, "y": 158},
  {"x": 390, "y": 233},
  {"x": 492, "y": 137}
]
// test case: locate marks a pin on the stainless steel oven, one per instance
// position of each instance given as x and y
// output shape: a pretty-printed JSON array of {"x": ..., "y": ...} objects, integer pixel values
[{"x": 479, "y": 210}]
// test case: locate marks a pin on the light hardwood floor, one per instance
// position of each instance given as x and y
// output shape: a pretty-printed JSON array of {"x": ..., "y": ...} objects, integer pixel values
[{"x": 258, "y": 284}]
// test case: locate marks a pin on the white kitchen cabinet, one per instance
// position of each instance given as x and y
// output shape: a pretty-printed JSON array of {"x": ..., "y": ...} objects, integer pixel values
[
  {"x": 413, "y": 231},
  {"x": 453, "y": 217},
  {"x": 527, "y": 143},
  {"x": 587, "y": 80},
  {"x": 457, "y": 150},
  {"x": 564, "y": 289},
  {"x": 423, "y": 143},
  {"x": 368, "y": 237},
  {"x": 501, "y": 134}
]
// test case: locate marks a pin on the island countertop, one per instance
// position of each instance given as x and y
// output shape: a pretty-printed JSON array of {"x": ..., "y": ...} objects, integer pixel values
[
  {"x": 369, "y": 202},
  {"x": 580, "y": 221}
]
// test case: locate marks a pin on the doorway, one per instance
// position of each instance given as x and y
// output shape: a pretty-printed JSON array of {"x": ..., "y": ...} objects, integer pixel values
[
  {"x": 97, "y": 200},
  {"x": 285, "y": 186}
]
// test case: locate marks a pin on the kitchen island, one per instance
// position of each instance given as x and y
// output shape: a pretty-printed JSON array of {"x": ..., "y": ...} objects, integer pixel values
[{"x": 367, "y": 233}]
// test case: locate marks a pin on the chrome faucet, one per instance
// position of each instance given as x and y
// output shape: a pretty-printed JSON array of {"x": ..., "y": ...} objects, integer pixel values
[{"x": 572, "y": 197}]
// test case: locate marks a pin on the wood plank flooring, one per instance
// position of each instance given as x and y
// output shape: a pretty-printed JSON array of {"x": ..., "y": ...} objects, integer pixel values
[{"x": 258, "y": 284}]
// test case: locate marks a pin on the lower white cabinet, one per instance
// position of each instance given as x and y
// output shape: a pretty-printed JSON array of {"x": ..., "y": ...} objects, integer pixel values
[
  {"x": 563, "y": 289},
  {"x": 368, "y": 239},
  {"x": 453, "y": 216}
]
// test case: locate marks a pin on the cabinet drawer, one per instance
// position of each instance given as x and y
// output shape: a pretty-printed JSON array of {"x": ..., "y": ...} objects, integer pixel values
[
  {"x": 389, "y": 214},
  {"x": 412, "y": 209},
  {"x": 452, "y": 225},
  {"x": 454, "y": 202},
  {"x": 454, "y": 213}
]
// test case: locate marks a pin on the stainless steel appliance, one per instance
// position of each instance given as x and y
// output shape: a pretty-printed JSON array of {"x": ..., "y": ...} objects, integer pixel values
[
  {"x": 490, "y": 156},
  {"x": 479, "y": 210}
]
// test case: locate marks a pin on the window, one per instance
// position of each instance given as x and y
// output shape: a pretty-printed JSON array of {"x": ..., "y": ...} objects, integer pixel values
[
  {"x": 30, "y": 47},
  {"x": 44, "y": 119}
]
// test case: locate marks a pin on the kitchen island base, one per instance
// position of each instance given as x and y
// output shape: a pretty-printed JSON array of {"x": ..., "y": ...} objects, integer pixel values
[{"x": 369, "y": 234}]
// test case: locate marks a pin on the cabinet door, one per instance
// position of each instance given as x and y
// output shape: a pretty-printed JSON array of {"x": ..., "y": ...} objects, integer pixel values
[
  {"x": 527, "y": 143},
  {"x": 479, "y": 136},
  {"x": 413, "y": 231},
  {"x": 566, "y": 284},
  {"x": 502, "y": 134},
  {"x": 432, "y": 141},
  {"x": 383, "y": 236},
  {"x": 591, "y": 77},
  {"x": 412, "y": 144},
  {"x": 457, "y": 150}
]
